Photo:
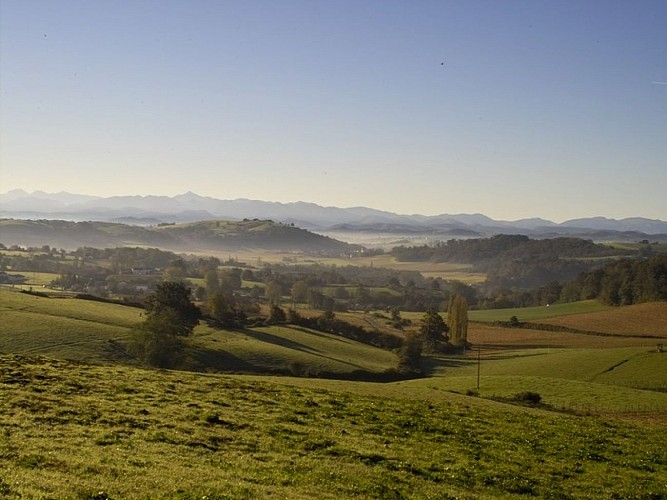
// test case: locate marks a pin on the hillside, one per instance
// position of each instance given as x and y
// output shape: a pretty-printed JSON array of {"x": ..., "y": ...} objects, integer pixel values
[
  {"x": 210, "y": 235},
  {"x": 87, "y": 330},
  {"x": 72, "y": 430}
]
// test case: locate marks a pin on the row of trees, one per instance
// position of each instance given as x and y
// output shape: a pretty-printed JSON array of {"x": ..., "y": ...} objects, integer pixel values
[{"x": 624, "y": 282}]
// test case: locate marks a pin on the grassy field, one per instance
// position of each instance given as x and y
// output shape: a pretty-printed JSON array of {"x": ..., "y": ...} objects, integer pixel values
[
  {"x": 87, "y": 330},
  {"x": 157, "y": 434},
  {"x": 142, "y": 433},
  {"x": 444, "y": 270},
  {"x": 287, "y": 348},
  {"x": 63, "y": 327},
  {"x": 539, "y": 312},
  {"x": 35, "y": 278},
  {"x": 636, "y": 367}
]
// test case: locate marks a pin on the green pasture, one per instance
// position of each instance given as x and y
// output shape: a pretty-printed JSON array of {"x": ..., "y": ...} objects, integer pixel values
[
  {"x": 37, "y": 278},
  {"x": 84, "y": 310},
  {"x": 599, "y": 380},
  {"x": 629, "y": 366},
  {"x": 107, "y": 431},
  {"x": 63, "y": 327},
  {"x": 538, "y": 312},
  {"x": 296, "y": 349},
  {"x": 557, "y": 393},
  {"x": 82, "y": 329}
]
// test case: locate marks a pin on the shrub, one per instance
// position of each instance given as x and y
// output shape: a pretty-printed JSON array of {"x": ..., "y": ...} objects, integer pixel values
[{"x": 528, "y": 397}]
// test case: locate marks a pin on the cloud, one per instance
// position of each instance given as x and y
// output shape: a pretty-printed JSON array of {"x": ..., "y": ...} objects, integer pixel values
[{"x": 659, "y": 83}]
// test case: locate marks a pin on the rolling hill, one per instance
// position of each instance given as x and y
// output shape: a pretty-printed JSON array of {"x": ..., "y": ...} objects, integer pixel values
[
  {"x": 87, "y": 330},
  {"x": 207, "y": 235},
  {"x": 142, "y": 433},
  {"x": 189, "y": 207}
]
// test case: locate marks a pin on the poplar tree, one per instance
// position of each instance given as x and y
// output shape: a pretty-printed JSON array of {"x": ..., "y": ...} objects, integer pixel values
[{"x": 457, "y": 319}]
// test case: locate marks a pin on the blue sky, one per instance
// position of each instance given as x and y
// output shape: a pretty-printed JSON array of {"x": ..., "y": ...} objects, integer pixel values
[{"x": 514, "y": 109}]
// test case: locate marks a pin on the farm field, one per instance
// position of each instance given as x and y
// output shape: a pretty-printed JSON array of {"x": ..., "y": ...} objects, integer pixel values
[
  {"x": 63, "y": 327},
  {"x": 142, "y": 433},
  {"x": 538, "y": 312},
  {"x": 640, "y": 319},
  {"x": 96, "y": 331},
  {"x": 37, "y": 278},
  {"x": 494, "y": 338},
  {"x": 160, "y": 434},
  {"x": 287, "y": 348},
  {"x": 444, "y": 270}
]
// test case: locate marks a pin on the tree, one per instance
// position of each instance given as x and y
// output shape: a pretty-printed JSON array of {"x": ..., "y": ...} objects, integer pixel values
[
  {"x": 170, "y": 316},
  {"x": 277, "y": 315},
  {"x": 212, "y": 282},
  {"x": 176, "y": 271},
  {"x": 410, "y": 353},
  {"x": 274, "y": 292},
  {"x": 300, "y": 291},
  {"x": 230, "y": 280},
  {"x": 457, "y": 318},
  {"x": 433, "y": 330},
  {"x": 222, "y": 308},
  {"x": 172, "y": 300}
]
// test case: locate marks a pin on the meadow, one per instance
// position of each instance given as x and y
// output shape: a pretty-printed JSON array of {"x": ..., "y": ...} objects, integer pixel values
[
  {"x": 67, "y": 383},
  {"x": 538, "y": 312},
  {"x": 164, "y": 434}
]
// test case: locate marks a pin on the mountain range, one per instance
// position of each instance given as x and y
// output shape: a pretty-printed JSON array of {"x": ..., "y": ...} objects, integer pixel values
[{"x": 189, "y": 207}]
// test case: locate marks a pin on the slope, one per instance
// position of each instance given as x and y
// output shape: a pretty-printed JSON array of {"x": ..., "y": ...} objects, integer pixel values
[
  {"x": 86, "y": 431},
  {"x": 211, "y": 235}
]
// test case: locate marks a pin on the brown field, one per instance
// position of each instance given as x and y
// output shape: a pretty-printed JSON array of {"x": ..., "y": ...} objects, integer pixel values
[
  {"x": 489, "y": 337},
  {"x": 640, "y": 319},
  {"x": 619, "y": 328}
]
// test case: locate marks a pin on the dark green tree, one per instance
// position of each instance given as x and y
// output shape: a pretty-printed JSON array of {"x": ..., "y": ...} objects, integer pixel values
[
  {"x": 277, "y": 315},
  {"x": 433, "y": 330},
  {"x": 172, "y": 300},
  {"x": 410, "y": 353},
  {"x": 225, "y": 310},
  {"x": 170, "y": 316}
]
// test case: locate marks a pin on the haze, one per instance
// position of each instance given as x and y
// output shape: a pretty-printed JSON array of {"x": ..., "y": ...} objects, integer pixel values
[{"x": 512, "y": 109}]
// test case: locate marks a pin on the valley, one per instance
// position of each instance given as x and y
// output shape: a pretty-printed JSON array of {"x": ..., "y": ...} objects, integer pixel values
[{"x": 323, "y": 400}]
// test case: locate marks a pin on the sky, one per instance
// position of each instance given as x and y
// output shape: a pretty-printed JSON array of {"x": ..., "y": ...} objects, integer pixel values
[{"x": 513, "y": 108}]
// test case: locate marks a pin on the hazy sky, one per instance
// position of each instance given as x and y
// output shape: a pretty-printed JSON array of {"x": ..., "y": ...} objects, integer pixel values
[{"x": 554, "y": 109}]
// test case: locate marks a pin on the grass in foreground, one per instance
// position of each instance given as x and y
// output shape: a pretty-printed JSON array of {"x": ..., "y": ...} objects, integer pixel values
[{"x": 86, "y": 431}]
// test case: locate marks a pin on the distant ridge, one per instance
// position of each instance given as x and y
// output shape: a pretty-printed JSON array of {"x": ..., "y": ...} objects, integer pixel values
[
  {"x": 252, "y": 234},
  {"x": 191, "y": 207}
]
